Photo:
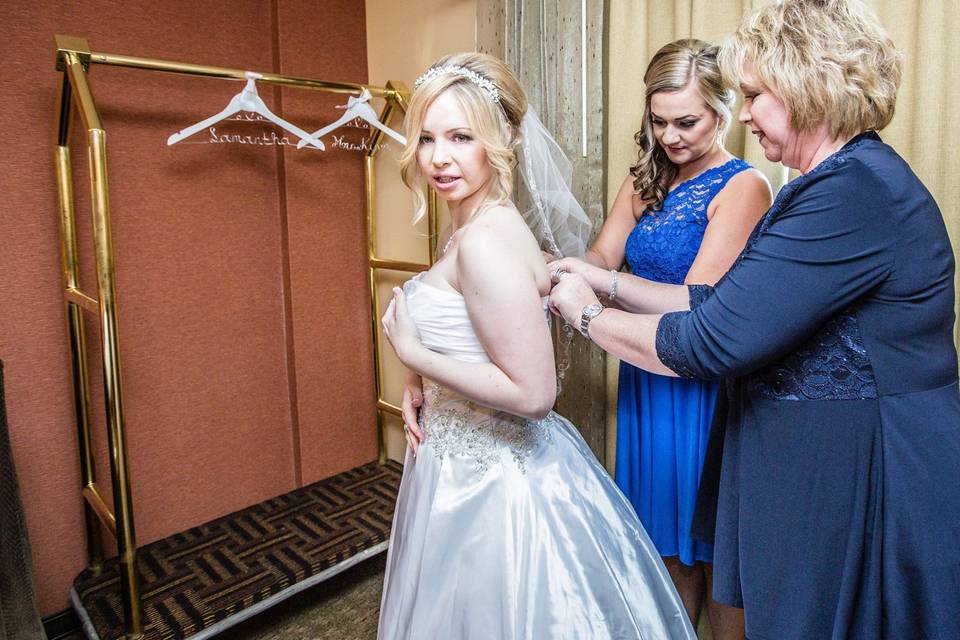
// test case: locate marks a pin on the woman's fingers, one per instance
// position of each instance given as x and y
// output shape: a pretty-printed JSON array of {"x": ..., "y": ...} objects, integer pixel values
[
  {"x": 416, "y": 432},
  {"x": 569, "y": 297},
  {"x": 390, "y": 320},
  {"x": 412, "y": 401},
  {"x": 412, "y": 443},
  {"x": 389, "y": 316}
]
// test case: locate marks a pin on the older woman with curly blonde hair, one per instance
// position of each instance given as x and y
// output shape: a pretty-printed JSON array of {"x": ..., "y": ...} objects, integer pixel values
[{"x": 836, "y": 510}]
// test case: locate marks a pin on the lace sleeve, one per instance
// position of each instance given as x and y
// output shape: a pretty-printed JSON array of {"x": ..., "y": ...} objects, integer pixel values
[
  {"x": 698, "y": 294},
  {"x": 668, "y": 344}
]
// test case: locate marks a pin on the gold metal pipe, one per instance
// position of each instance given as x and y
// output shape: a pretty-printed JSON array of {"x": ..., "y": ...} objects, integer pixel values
[
  {"x": 64, "y": 109},
  {"x": 96, "y": 502},
  {"x": 78, "y": 344},
  {"x": 398, "y": 265},
  {"x": 83, "y": 94},
  {"x": 112, "y": 383},
  {"x": 383, "y": 405},
  {"x": 401, "y": 94},
  {"x": 72, "y": 45},
  {"x": 81, "y": 299},
  {"x": 236, "y": 74},
  {"x": 81, "y": 403},
  {"x": 381, "y": 439},
  {"x": 396, "y": 102},
  {"x": 370, "y": 206}
]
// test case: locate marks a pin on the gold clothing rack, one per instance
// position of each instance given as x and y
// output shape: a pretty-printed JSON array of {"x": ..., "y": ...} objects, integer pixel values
[{"x": 74, "y": 58}]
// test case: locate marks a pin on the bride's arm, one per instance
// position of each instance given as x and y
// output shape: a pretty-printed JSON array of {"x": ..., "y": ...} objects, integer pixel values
[{"x": 500, "y": 291}]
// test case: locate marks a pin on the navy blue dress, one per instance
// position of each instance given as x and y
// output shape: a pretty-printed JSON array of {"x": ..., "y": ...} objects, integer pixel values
[
  {"x": 837, "y": 503},
  {"x": 663, "y": 422}
]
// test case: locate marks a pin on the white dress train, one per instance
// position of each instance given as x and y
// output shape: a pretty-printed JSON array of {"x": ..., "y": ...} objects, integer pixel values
[{"x": 510, "y": 529}]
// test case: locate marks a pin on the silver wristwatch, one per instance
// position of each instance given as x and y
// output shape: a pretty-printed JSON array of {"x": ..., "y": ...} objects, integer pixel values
[{"x": 588, "y": 313}]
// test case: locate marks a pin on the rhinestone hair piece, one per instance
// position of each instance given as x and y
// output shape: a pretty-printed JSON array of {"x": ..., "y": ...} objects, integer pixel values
[{"x": 456, "y": 70}]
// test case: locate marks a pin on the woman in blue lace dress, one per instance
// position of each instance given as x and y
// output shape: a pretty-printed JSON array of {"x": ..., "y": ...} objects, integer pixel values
[
  {"x": 837, "y": 504},
  {"x": 682, "y": 215}
]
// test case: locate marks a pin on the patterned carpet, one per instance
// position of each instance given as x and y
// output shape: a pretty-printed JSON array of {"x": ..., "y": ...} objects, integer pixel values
[
  {"x": 282, "y": 549},
  {"x": 346, "y": 607},
  {"x": 210, "y": 577}
]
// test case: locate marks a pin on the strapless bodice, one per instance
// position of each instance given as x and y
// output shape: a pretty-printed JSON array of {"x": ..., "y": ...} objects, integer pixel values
[
  {"x": 442, "y": 321},
  {"x": 454, "y": 424}
]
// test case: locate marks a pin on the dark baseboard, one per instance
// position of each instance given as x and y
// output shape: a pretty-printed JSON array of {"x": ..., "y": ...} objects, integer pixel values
[{"x": 61, "y": 625}]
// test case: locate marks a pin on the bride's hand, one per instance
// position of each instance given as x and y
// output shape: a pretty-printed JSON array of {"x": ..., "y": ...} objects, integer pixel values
[
  {"x": 598, "y": 279},
  {"x": 399, "y": 327},
  {"x": 410, "y": 408}
]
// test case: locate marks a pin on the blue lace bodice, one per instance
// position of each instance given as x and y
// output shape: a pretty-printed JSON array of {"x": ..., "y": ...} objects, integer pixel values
[{"x": 664, "y": 243}]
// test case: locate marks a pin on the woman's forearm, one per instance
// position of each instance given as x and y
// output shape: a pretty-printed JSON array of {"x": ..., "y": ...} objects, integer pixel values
[
  {"x": 638, "y": 295},
  {"x": 593, "y": 257},
  {"x": 629, "y": 337},
  {"x": 485, "y": 383}
]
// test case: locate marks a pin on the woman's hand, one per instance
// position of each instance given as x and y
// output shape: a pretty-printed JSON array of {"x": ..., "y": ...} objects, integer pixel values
[
  {"x": 399, "y": 327},
  {"x": 569, "y": 296},
  {"x": 596, "y": 278},
  {"x": 410, "y": 409}
]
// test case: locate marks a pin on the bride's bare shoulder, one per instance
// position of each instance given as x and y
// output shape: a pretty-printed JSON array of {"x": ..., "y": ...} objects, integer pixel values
[
  {"x": 500, "y": 244},
  {"x": 500, "y": 224}
]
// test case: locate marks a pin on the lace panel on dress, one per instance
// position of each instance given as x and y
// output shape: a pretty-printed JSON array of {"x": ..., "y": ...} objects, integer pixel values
[
  {"x": 663, "y": 244},
  {"x": 832, "y": 365},
  {"x": 668, "y": 344},
  {"x": 456, "y": 426},
  {"x": 698, "y": 294}
]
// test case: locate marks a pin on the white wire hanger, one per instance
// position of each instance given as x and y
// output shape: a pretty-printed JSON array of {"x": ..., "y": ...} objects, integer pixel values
[
  {"x": 356, "y": 107},
  {"x": 248, "y": 100}
]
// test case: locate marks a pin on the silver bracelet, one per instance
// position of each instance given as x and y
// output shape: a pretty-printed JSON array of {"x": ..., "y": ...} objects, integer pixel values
[{"x": 614, "y": 287}]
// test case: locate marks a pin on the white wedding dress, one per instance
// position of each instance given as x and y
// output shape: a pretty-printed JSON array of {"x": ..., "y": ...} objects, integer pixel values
[{"x": 508, "y": 528}]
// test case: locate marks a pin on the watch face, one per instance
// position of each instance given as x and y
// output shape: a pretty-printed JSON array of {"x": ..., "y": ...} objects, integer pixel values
[
  {"x": 588, "y": 313},
  {"x": 592, "y": 310}
]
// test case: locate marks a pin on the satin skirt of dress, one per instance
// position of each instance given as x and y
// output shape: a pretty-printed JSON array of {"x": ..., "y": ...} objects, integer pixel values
[
  {"x": 663, "y": 427},
  {"x": 509, "y": 529}
]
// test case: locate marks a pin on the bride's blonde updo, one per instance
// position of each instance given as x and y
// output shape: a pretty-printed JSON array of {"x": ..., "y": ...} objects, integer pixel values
[{"x": 494, "y": 110}]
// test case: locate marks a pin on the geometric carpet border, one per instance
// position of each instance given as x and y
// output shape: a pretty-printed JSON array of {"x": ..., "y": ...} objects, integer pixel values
[
  {"x": 245, "y": 614},
  {"x": 198, "y": 582}
]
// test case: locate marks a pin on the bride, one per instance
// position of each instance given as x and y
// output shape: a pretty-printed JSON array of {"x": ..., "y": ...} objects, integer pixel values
[{"x": 506, "y": 525}]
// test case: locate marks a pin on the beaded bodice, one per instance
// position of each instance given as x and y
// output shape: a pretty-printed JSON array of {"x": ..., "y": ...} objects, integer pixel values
[
  {"x": 454, "y": 425},
  {"x": 664, "y": 243}
]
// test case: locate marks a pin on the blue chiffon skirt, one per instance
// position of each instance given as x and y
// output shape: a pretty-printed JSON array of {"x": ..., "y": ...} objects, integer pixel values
[{"x": 663, "y": 425}]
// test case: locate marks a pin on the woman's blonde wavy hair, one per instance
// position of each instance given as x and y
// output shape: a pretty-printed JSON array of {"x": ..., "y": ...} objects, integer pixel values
[
  {"x": 495, "y": 126},
  {"x": 673, "y": 68},
  {"x": 830, "y": 62}
]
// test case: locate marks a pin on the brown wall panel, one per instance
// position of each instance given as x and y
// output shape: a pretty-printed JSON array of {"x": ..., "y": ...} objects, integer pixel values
[
  {"x": 204, "y": 270},
  {"x": 331, "y": 310}
]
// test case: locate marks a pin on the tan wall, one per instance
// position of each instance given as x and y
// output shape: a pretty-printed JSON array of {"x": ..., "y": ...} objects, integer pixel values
[
  {"x": 240, "y": 270},
  {"x": 403, "y": 38}
]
